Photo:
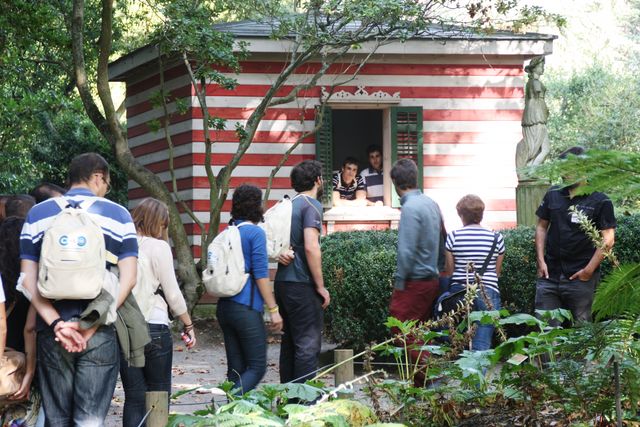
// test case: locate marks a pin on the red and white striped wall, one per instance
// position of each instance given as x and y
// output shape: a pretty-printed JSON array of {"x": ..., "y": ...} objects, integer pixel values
[{"x": 472, "y": 112}]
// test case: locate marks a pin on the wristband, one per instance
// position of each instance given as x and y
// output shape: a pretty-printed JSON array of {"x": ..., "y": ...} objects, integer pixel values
[
  {"x": 273, "y": 309},
  {"x": 54, "y": 323}
]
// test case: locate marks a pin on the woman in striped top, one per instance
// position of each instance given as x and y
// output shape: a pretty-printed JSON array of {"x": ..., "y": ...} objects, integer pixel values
[{"x": 472, "y": 244}]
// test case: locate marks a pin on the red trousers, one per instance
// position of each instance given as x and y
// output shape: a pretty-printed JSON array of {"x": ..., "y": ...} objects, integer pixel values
[{"x": 415, "y": 302}]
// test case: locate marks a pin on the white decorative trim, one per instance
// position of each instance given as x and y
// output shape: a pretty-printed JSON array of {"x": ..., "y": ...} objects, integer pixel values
[{"x": 360, "y": 96}]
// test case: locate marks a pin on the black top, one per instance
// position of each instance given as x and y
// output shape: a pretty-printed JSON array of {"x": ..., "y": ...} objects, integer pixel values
[
  {"x": 568, "y": 249},
  {"x": 16, "y": 321}
]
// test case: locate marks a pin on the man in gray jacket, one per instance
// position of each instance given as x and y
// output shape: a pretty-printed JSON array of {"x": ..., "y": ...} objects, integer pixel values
[{"x": 416, "y": 277}]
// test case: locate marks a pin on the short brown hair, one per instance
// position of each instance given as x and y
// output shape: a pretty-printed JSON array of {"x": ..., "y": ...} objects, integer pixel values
[
  {"x": 151, "y": 218},
  {"x": 404, "y": 174},
  {"x": 470, "y": 209}
]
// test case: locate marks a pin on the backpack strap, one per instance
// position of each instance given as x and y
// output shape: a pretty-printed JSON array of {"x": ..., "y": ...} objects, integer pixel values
[
  {"x": 491, "y": 251},
  {"x": 64, "y": 203},
  {"x": 253, "y": 287}
]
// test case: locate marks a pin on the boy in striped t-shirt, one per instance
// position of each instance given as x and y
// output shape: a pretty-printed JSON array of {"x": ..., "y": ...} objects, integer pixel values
[
  {"x": 472, "y": 244},
  {"x": 78, "y": 368}
]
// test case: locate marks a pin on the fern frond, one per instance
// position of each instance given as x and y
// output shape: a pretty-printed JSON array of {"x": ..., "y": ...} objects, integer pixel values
[{"x": 619, "y": 293}]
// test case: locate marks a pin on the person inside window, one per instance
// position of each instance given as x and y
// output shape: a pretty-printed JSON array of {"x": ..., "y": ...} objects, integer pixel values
[
  {"x": 373, "y": 177},
  {"x": 349, "y": 188}
]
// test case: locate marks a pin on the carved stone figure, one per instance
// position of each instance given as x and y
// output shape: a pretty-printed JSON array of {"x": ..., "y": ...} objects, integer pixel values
[{"x": 535, "y": 146}]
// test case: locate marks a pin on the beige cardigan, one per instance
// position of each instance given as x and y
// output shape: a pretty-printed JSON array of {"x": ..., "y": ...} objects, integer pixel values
[{"x": 159, "y": 253}]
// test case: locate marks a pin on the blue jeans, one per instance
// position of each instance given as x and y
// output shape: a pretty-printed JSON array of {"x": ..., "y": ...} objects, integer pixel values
[
  {"x": 574, "y": 295},
  {"x": 155, "y": 376},
  {"x": 77, "y": 387},
  {"x": 483, "y": 337},
  {"x": 245, "y": 342},
  {"x": 302, "y": 315}
]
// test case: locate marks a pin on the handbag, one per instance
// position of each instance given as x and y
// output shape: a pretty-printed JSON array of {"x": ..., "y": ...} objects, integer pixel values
[
  {"x": 447, "y": 302},
  {"x": 12, "y": 370}
]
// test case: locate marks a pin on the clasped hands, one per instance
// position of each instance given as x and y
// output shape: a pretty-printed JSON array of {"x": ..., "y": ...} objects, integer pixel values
[{"x": 71, "y": 337}]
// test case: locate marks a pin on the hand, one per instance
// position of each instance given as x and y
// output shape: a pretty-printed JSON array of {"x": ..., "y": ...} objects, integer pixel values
[
  {"x": 286, "y": 258},
  {"x": 69, "y": 337},
  {"x": 542, "y": 270},
  {"x": 25, "y": 387},
  {"x": 88, "y": 333},
  {"x": 583, "y": 275},
  {"x": 326, "y": 298},
  {"x": 192, "y": 338},
  {"x": 379, "y": 203},
  {"x": 276, "y": 322}
]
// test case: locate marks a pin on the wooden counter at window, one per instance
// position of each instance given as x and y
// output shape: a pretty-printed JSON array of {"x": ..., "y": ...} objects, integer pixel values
[{"x": 348, "y": 218}]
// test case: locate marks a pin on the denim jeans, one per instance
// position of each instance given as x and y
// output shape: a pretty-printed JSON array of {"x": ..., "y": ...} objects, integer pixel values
[
  {"x": 245, "y": 342},
  {"x": 77, "y": 387},
  {"x": 155, "y": 376},
  {"x": 302, "y": 315},
  {"x": 573, "y": 295},
  {"x": 483, "y": 337}
]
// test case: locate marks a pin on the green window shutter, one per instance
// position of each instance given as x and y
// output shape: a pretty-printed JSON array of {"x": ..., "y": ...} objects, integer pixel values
[
  {"x": 324, "y": 151},
  {"x": 406, "y": 141}
]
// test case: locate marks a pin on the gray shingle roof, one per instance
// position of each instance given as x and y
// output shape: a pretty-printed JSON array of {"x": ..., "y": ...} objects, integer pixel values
[{"x": 257, "y": 29}]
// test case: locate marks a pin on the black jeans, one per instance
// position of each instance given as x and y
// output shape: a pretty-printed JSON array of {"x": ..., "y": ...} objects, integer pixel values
[
  {"x": 574, "y": 295},
  {"x": 155, "y": 376},
  {"x": 245, "y": 342},
  {"x": 77, "y": 387},
  {"x": 301, "y": 311}
]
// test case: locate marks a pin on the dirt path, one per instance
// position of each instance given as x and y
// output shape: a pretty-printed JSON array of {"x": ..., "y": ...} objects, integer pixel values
[{"x": 205, "y": 365}]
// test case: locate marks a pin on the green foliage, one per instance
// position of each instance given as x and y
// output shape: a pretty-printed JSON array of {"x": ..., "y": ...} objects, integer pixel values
[
  {"x": 517, "y": 282},
  {"x": 358, "y": 268},
  {"x": 595, "y": 107},
  {"x": 42, "y": 123}
]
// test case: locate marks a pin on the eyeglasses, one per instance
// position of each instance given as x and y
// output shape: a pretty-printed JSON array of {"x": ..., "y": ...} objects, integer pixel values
[{"x": 106, "y": 181}]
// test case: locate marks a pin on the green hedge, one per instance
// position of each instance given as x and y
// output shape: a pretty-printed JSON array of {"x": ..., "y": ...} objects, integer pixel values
[
  {"x": 358, "y": 267},
  {"x": 518, "y": 279}
]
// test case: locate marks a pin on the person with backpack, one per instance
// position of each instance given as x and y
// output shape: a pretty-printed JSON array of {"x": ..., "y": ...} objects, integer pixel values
[
  {"x": 299, "y": 285},
  {"x": 241, "y": 316},
  {"x": 64, "y": 264},
  {"x": 485, "y": 249},
  {"x": 156, "y": 291}
]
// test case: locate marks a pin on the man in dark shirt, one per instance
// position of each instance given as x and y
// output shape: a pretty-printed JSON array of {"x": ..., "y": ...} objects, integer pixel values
[
  {"x": 299, "y": 286},
  {"x": 568, "y": 261}
]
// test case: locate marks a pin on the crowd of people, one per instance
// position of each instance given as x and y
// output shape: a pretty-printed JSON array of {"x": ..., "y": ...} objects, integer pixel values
[{"x": 74, "y": 355}]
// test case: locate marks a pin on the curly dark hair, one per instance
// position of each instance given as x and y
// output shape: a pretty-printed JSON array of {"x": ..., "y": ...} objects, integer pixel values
[
  {"x": 10, "y": 230},
  {"x": 246, "y": 203}
]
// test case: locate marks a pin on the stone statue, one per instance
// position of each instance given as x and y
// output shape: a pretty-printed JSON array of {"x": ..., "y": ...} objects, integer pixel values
[{"x": 534, "y": 147}]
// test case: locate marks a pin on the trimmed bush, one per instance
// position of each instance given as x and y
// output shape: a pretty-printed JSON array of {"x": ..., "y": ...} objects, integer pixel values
[
  {"x": 358, "y": 267},
  {"x": 518, "y": 279},
  {"x": 627, "y": 246}
]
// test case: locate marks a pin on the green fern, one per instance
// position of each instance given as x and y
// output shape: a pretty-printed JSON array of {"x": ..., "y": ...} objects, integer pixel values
[{"x": 619, "y": 293}]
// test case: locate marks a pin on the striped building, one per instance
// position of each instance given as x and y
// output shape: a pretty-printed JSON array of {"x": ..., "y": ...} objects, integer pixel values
[{"x": 452, "y": 105}]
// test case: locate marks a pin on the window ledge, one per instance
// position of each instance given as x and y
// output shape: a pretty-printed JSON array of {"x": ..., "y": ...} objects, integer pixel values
[
  {"x": 348, "y": 218},
  {"x": 364, "y": 213}
]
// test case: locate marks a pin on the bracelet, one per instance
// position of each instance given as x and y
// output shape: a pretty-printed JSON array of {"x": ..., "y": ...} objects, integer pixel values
[
  {"x": 273, "y": 309},
  {"x": 188, "y": 326},
  {"x": 54, "y": 323}
]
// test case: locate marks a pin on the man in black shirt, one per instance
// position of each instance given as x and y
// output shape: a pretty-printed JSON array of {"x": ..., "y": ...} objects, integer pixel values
[{"x": 568, "y": 261}]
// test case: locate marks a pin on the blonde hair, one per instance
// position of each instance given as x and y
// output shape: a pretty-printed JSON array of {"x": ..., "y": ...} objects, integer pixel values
[
  {"x": 470, "y": 209},
  {"x": 151, "y": 218}
]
